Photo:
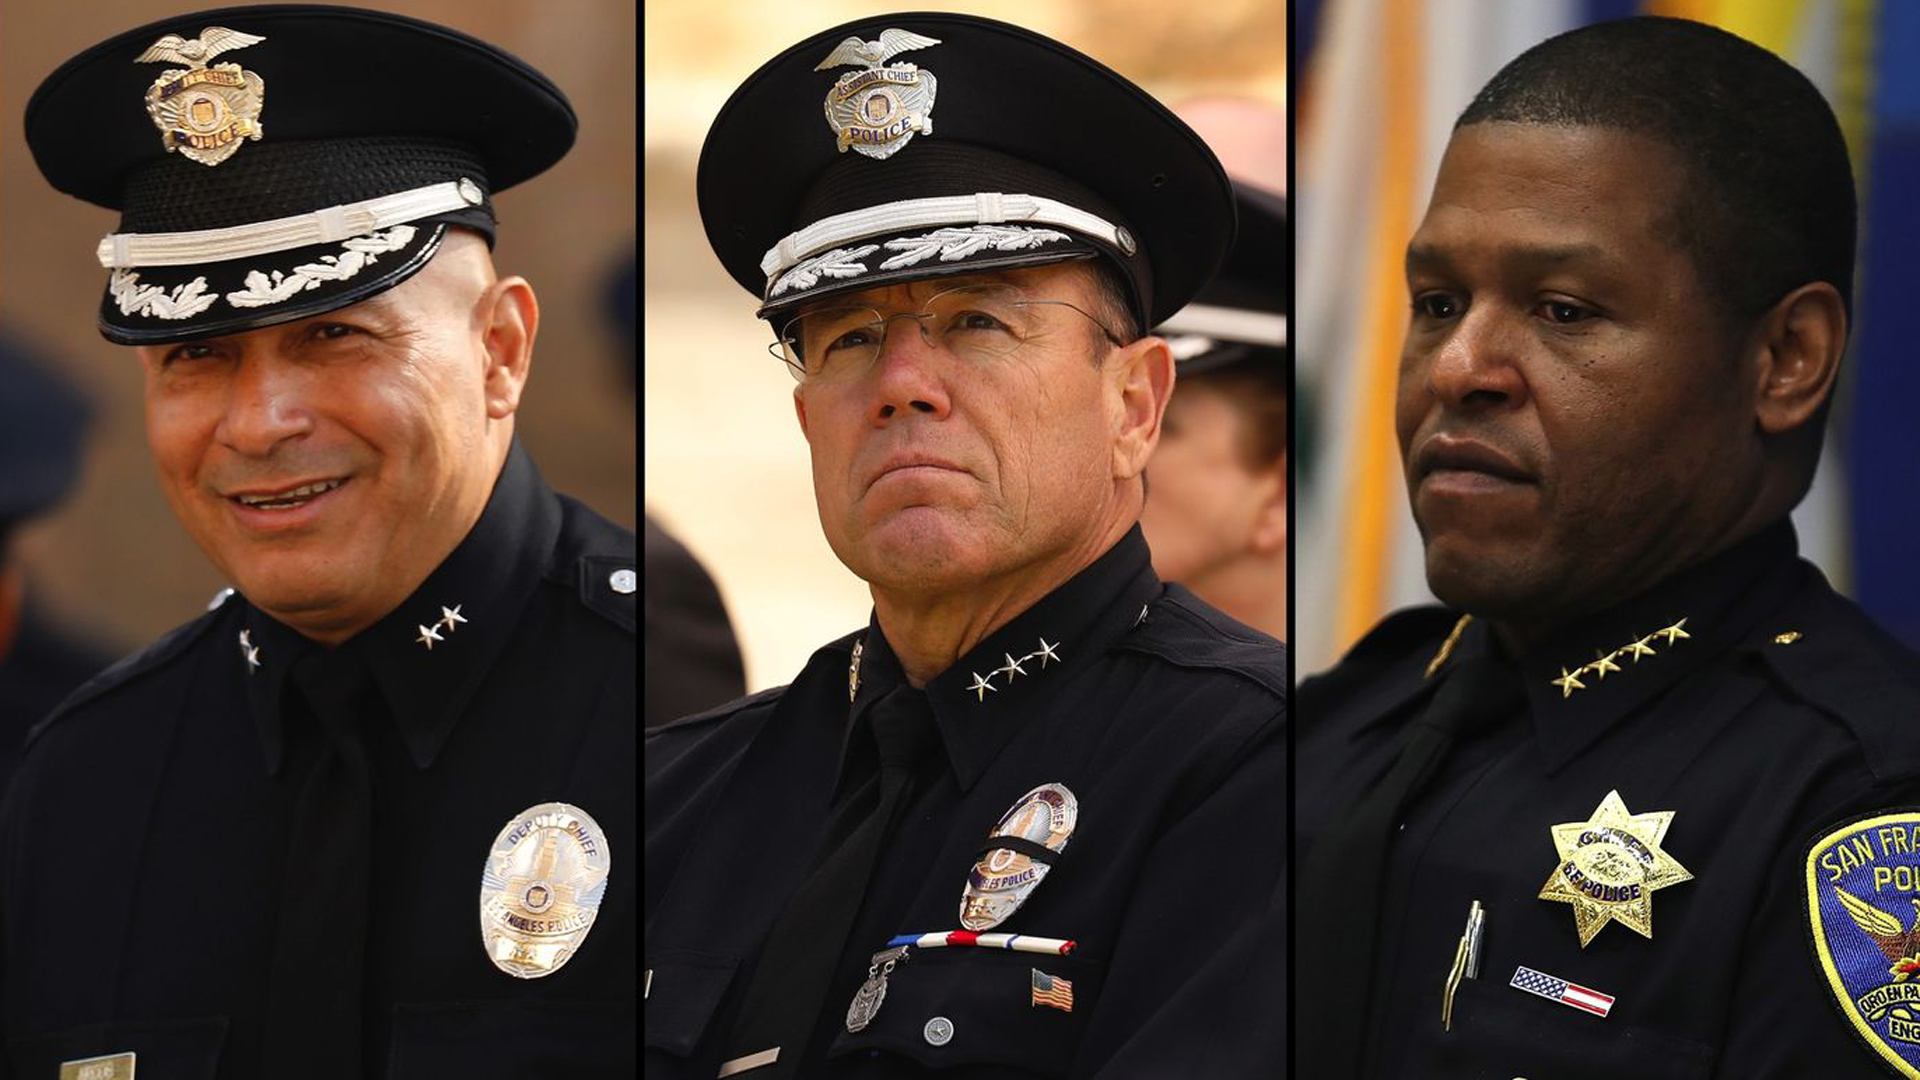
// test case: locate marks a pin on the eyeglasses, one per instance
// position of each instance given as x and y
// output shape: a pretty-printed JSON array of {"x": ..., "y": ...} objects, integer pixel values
[{"x": 976, "y": 324}]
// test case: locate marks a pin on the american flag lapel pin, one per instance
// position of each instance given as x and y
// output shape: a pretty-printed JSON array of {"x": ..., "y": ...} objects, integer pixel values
[
  {"x": 1573, "y": 995},
  {"x": 1052, "y": 990}
]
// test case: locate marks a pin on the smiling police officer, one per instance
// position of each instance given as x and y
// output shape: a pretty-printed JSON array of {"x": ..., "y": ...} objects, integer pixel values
[
  {"x": 1583, "y": 820},
  {"x": 1003, "y": 829},
  {"x": 367, "y": 815}
]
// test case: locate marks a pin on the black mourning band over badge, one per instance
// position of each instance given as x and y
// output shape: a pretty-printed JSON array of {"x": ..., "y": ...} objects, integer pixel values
[
  {"x": 921, "y": 145},
  {"x": 273, "y": 163}
]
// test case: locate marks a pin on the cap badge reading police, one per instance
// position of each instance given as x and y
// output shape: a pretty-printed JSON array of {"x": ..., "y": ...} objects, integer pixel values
[
  {"x": 879, "y": 110},
  {"x": 204, "y": 112},
  {"x": 1610, "y": 866},
  {"x": 1863, "y": 905},
  {"x": 1017, "y": 855},
  {"x": 541, "y": 888}
]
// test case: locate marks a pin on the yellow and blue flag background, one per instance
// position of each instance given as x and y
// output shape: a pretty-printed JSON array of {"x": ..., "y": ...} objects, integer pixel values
[{"x": 1383, "y": 82}]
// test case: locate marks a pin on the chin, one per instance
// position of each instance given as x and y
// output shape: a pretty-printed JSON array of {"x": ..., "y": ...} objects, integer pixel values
[
  {"x": 1482, "y": 579},
  {"x": 289, "y": 586},
  {"x": 917, "y": 547}
]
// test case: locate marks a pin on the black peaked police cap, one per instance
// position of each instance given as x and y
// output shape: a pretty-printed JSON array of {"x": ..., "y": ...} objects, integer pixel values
[
  {"x": 277, "y": 162},
  {"x": 1240, "y": 317},
  {"x": 917, "y": 145}
]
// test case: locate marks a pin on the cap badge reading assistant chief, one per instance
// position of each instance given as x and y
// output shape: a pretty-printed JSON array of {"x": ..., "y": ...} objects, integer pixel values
[
  {"x": 204, "y": 112},
  {"x": 879, "y": 110}
]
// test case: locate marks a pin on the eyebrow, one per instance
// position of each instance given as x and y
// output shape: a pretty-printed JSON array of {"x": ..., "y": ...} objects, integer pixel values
[{"x": 1526, "y": 256}]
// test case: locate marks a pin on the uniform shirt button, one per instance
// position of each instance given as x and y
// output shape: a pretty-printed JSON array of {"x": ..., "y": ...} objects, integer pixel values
[
  {"x": 938, "y": 1032},
  {"x": 623, "y": 581}
]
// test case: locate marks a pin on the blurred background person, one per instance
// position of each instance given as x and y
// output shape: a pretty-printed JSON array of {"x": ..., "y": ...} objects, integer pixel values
[
  {"x": 726, "y": 471},
  {"x": 1216, "y": 513},
  {"x": 1383, "y": 82},
  {"x": 43, "y": 423},
  {"x": 577, "y": 421},
  {"x": 692, "y": 659}
]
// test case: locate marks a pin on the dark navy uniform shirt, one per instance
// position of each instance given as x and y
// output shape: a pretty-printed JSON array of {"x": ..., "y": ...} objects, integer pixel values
[
  {"x": 142, "y": 845},
  {"x": 1161, "y": 716},
  {"x": 1775, "y": 710}
]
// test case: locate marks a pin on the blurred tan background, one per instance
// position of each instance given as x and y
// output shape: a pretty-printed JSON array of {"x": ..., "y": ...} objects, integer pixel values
[
  {"x": 112, "y": 560},
  {"x": 726, "y": 467}
]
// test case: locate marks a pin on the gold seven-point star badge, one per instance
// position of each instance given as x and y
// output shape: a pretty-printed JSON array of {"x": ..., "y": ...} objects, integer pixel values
[{"x": 1610, "y": 866}]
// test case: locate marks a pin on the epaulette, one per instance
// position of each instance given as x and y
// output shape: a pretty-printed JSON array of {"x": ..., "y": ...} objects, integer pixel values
[
  {"x": 1387, "y": 665},
  {"x": 718, "y": 712},
  {"x": 842, "y": 645},
  {"x": 1183, "y": 629},
  {"x": 1834, "y": 658},
  {"x": 601, "y": 560},
  {"x": 128, "y": 668}
]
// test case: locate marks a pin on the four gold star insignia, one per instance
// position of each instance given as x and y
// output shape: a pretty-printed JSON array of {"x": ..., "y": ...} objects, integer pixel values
[
  {"x": 1610, "y": 865},
  {"x": 1569, "y": 681}
]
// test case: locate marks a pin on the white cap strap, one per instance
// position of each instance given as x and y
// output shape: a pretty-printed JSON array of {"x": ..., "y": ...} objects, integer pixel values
[
  {"x": 334, "y": 223},
  {"x": 986, "y": 207}
]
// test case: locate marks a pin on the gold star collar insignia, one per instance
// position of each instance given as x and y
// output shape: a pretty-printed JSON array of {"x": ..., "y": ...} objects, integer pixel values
[
  {"x": 1602, "y": 663},
  {"x": 1610, "y": 865}
]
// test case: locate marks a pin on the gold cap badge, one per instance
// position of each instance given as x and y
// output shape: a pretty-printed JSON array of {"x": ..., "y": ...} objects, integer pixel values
[
  {"x": 541, "y": 888},
  {"x": 204, "y": 112},
  {"x": 879, "y": 110},
  {"x": 1610, "y": 866}
]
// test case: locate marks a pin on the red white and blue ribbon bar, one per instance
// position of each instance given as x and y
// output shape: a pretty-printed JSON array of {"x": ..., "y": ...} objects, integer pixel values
[
  {"x": 1017, "y": 942},
  {"x": 1562, "y": 991}
]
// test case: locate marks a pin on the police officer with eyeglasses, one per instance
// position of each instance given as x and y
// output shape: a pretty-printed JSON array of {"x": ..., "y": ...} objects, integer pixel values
[{"x": 1004, "y": 828}]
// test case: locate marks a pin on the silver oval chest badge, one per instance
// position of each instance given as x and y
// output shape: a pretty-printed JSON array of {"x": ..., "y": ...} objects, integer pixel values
[
  {"x": 541, "y": 888},
  {"x": 1003, "y": 878}
]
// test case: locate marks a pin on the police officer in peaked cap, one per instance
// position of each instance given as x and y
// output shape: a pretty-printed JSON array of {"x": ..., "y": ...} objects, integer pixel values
[
  {"x": 371, "y": 813},
  {"x": 1217, "y": 505},
  {"x": 1002, "y": 829}
]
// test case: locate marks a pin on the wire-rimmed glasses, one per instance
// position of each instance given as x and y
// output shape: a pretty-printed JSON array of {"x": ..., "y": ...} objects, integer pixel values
[{"x": 977, "y": 323}]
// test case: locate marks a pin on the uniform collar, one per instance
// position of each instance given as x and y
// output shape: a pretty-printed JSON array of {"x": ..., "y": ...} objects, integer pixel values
[
  {"x": 1588, "y": 676},
  {"x": 992, "y": 691},
  {"x": 429, "y": 655}
]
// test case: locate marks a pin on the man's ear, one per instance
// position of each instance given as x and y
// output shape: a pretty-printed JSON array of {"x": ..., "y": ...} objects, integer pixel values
[
  {"x": 1143, "y": 376},
  {"x": 1269, "y": 535},
  {"x": 800, "y": 411},
  {"x": 1799, "y": 344},
  {"x": 509, "y": 318}
]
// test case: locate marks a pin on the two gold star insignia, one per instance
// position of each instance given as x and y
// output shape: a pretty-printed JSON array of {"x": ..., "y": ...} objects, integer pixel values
[{"x": 1610, "y": 865}]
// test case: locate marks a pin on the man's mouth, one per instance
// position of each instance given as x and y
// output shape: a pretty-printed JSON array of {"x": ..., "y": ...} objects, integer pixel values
[{"x": 288, "y": 499}]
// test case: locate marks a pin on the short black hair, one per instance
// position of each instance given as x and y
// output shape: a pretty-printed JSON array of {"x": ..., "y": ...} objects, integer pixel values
[{"x": 1768, "y": 200}]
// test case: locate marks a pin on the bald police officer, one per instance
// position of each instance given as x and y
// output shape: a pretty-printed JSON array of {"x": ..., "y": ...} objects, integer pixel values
[
  {"x": 1636, "y": 801},
  {"x": 371, "y": 814},
  {"x": 1003, "y": 829}
]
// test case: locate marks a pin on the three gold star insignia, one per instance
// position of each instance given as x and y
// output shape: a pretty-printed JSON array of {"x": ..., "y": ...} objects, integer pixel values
[{"x": 1610, "y": 865}]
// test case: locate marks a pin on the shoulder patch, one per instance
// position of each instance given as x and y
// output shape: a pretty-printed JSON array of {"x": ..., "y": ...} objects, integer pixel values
[
  {"x": 609, "y": 584},
  {"x": 1861, "y": 879},
  {"x": 127, "y": 668}
]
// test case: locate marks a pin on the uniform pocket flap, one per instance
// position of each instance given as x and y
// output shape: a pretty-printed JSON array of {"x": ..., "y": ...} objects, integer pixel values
[
  {"x": 1498, "y": 1027},
  {"x": 524, "y": 1040},
  {"x": 949, "y": 1007},
  {"x": 188, "y": 1049},
  {"x": 683, "y": 990}
]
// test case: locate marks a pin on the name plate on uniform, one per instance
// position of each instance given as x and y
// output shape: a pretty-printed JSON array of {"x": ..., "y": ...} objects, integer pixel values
[{"x": 107, "y": 1067}]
